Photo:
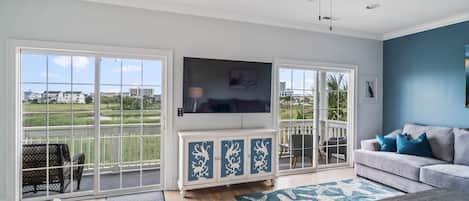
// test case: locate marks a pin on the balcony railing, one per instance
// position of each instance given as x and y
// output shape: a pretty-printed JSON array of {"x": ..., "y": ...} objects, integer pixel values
[
  {"x": 138, "y": 146},
  {"x": 125, "y": 151},
  {"x": 328, "y": 129}
]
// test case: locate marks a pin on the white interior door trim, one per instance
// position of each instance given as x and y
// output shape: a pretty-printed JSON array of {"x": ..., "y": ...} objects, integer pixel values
[{"x": 319, "y": 66}]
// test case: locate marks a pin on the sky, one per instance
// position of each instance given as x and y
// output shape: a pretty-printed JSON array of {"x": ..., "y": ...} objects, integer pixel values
[
  {"x": 58, "y": 70},
  {"x": 299, "y": 79}
]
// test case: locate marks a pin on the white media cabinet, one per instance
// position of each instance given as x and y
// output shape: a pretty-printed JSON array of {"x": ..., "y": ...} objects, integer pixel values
[{"x": 223, "y": 157}]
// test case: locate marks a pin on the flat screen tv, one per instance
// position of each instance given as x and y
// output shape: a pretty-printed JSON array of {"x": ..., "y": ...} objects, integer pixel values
[{"x": 225, "y": 86}]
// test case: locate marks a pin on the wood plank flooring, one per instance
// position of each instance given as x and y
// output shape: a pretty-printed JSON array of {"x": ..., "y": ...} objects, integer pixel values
[{"x": 228, "y": 193}]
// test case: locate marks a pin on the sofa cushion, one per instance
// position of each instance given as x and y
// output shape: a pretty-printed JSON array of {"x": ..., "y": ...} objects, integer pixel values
[
  {"x": 446, "y": 176},
  {"x": 461, "y": 148},
  {"x": 441, "y": 139},
  {"x": 407, "y": 166}
]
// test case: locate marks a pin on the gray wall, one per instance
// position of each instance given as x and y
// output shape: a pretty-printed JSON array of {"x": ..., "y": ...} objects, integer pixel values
[{"x": 82, "y": 22}]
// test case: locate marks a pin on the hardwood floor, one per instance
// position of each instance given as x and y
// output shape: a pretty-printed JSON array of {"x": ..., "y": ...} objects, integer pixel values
[{"x": 228, "y": 193}]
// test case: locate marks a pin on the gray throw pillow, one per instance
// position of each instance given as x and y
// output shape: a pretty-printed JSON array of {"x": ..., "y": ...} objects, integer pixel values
[
  {"x": 461, "y": 148},
  {"x": 414, "y": 130},
  {"x": 394, "y": 133}
]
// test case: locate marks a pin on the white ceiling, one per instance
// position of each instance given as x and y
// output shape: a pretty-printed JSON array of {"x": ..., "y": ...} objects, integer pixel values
[{"x": 392, "y": 19}]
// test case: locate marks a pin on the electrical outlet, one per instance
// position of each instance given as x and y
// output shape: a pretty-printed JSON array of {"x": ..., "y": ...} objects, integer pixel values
[{"x": 180, "y": 112}]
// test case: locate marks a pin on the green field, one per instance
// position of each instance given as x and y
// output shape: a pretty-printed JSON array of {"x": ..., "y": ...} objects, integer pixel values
[
  {"x": 83, "y": 114},
  {"x": 296, "y": 111},
  {"x": 303, "y": 107}
]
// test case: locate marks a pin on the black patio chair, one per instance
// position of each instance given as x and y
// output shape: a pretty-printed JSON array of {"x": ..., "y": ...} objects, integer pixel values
[
  {"x": 301, "y": 146},
  {"x": 35, "y": 158},
  {"x": 335, "y": 146}
]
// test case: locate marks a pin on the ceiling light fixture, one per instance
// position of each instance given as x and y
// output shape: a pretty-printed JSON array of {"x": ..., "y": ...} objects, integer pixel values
[
  {"x": 372, "y": 6},
  {"x": 330, "y": 17},
  {"x": 330, "y": 20},
  {"x": 319, "y": 11}
]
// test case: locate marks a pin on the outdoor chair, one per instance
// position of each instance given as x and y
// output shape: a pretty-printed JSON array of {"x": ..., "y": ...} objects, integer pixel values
[
  {"x": 35, "y": 158},
  {"x": 335, "y": 146}
]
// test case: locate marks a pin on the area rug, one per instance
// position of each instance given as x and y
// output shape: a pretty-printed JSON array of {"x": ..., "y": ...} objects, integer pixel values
[{"x": 346, "y": 190}]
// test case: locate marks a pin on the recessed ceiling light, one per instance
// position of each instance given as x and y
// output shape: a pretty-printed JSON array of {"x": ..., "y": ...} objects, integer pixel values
[{"x": 372, "y": 6}]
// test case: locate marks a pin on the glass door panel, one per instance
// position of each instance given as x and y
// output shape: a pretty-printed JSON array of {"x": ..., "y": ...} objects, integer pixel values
[
  {"x": 131, "y": 113},
  {"x": 58, "y": 129},
  {"x": 90, "y": 124},
  {"x": 313, "y": 113},
  {"x": 297, "y": 127},
  {"x": 333, "y": 119}
]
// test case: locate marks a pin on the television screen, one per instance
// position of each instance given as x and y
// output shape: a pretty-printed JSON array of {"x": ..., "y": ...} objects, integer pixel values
[{"x": 223, "y": 86}]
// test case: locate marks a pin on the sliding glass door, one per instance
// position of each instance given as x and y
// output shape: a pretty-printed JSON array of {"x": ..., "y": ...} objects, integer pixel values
[
  {"x": 297, "y": 117},
  {"x": 91, "y": 123},
  {"x": 334, "y": 124},
  {"x": 313, "y": 117}
]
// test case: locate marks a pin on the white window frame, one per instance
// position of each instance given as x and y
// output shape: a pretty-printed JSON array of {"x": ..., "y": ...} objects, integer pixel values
[
  {"x": 352, "y": 101},
  {"x": 12, "y": 119}
]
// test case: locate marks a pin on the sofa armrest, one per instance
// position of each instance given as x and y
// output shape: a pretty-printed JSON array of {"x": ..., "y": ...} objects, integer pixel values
[{"x": 370, "y": 145}]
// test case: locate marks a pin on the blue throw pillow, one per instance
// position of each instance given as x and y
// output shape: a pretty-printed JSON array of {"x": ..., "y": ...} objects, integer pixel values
[
  {"x": 386, "y": 143},
  {"x": 418, "y": 146}
]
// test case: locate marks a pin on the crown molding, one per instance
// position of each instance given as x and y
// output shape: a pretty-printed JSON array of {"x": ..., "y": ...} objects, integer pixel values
[{"x": 427, "y": 26}]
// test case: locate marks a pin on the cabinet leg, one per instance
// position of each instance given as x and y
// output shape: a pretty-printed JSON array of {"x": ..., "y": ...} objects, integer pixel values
[
  {"x": 183, "y": 193},
  {"x": 272, "y": 182}
]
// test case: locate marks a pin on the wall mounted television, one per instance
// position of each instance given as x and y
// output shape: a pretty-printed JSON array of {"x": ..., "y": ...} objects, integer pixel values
[{"x": 226, "y": 86}]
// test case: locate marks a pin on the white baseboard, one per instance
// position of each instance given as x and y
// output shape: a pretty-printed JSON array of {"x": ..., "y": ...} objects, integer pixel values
[{"x": 171, "y": 188}]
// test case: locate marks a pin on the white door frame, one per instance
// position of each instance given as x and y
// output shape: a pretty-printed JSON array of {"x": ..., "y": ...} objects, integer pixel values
[
  {"x": 352, "y": 101},
  {"x": 12, "y": 116}
]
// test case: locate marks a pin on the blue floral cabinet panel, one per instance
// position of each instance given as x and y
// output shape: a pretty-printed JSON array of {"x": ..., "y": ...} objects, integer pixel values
[
  {"x": 261, "y": 155},
  {"x": 200, "y": 160},
  {"x": 232, "y": 158}
]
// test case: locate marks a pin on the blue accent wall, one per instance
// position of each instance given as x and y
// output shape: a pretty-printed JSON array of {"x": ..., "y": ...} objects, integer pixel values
[{"x": 424, "y": 78}]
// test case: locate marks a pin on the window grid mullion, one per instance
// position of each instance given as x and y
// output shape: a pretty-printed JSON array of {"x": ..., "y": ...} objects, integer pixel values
[
  {"x": 47, "y": 126},
  {"x": 73, "y": 124},
  {"x": 141, "y": 122},
  {"x": 121, "y": 134},
  {"x": 303, "y": 122},
  {"x": 291, "y": 122}
]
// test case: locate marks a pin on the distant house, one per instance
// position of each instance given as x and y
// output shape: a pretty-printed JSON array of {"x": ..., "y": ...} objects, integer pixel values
[
  {"x": 157, "y": 98},
  {"x": 29, "y": 95},
  {"x": 284, "y": 91},
  {"x": 142, "y": 92},
  {"x": 110, "y": 94},
  {"x": 51, "y": 97},
  {"x": 76, "y": 97}
]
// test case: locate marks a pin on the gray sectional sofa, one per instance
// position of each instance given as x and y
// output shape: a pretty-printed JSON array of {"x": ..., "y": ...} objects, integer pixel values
[{"x": 448, "y": 169}]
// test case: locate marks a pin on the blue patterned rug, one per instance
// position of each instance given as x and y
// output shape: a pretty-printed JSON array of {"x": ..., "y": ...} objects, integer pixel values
[{"x": 346, "y": 190}]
